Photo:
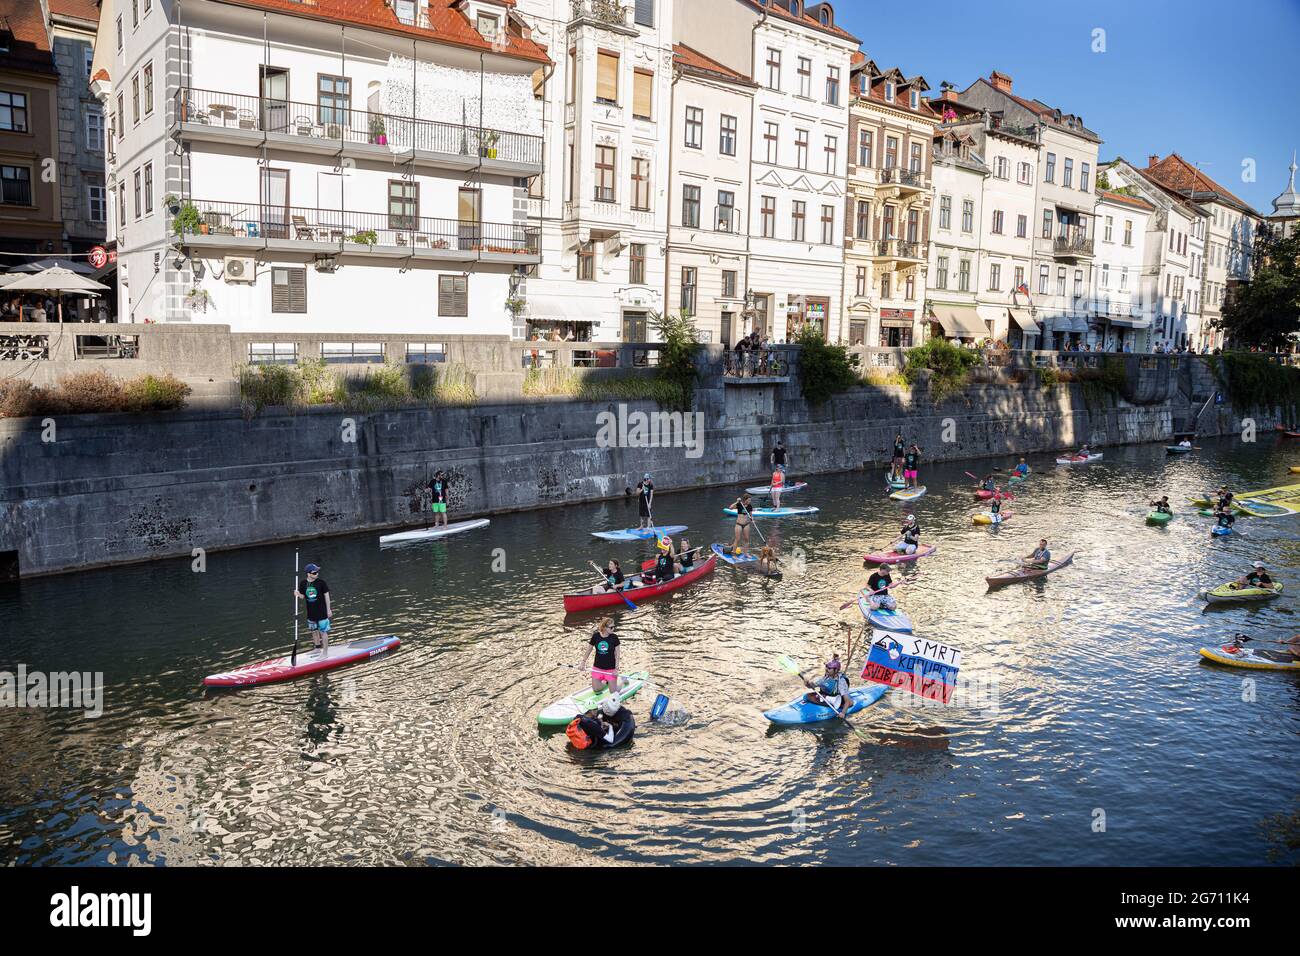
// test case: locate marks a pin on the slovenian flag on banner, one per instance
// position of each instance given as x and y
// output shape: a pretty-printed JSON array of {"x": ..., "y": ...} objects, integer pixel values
[{"x": 921, "y": 666}]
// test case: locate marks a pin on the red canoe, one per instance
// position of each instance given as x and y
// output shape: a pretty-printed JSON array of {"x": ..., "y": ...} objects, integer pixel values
[
  {"x": 984, "y": 495},
  {"x": 587, "y": 601}
]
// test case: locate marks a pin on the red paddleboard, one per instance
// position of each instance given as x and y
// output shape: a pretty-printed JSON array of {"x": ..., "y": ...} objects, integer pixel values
[
  {"x": 984, "y": 495},
  {"x": 893, "y": 557},
  {"x": 309, "y": 662}
]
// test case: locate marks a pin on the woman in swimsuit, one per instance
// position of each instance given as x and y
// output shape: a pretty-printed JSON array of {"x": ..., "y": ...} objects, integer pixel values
[{"x": 743, "y": 521}]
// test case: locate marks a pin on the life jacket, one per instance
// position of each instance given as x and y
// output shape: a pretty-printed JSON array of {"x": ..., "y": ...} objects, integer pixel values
[{"x": 778, "y": 480}]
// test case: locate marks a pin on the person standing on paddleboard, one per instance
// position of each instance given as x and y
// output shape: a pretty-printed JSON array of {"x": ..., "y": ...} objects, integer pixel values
[
  {"x": 778, "y": 485},
  {"x": 604, "y": 669},
  {"x": 896, "y": 464},
  {"x": 911, "y": 465},
  {"x": 777, "y": 458},
  {"x": 315, "y": 593},
  {"x": 743, "y": 520},
  {"x": 1040, "y": 559},
  {"x": 876, "y": 585},
  {"x": 438, "y": 497},
  {"x": 645, "y": 489}
]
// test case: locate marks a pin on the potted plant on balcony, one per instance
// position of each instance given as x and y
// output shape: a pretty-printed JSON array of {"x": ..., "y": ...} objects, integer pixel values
[
  {"x": 378, "y": 134},
  {"x": 366, "y": 237},
  {"x": 197, "y": 299},
  {"x": 490, "y": 139},
  {"x": 186, "y": 219},
  {"x": 172, "y": 203},
  {"x": 515, "y": 304}
]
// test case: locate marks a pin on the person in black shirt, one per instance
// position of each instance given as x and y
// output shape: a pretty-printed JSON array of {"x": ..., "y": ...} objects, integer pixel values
[
  {"x": 911, "y": 539},
  {"x": 900, "y": 449},
  {"x": 645, "y": 488},
  {"x": 665, "y": 569},
  {"x": 316, "y": 594},
  {"x": 911, "y": 465},
  {"x": 437, "y": 489},
  {"x": 875, "y": 589},
  {"x": 1256, "y": 577},
  {"x": 685, "y": 557},
  {"x": 604, "y": 669},
  {"x": 778, "y": 457}
]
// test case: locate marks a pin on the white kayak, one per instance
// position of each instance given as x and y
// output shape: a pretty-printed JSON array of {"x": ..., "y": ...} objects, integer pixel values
[
  {"x": 909, "y": 494},
  {"x": 308, "y": 662},
  {"x": 428, "y": 534},
  {"x": 766, "y": 490},
  {"x": 1079, "y": 459}
]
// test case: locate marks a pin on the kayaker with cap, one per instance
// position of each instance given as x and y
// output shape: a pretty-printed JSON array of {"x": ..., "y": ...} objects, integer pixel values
[
  {"x": 1256, "y": 577},
  {"x": 778, "y": 485},
  {"x": 315, "y": 594},
  {"x": 438, "y": 494},
  {"x": 604, "y": 669},
  {"x": 743, "y": 520},
  {"x": 876, "y": 589},
  {"x": 912, "y": 464},
  {"x": 995, "y": 506},
  {"x": 777, "y": 458},
  {"x": 911, "y": 539},
  {"x": 1040, "y": 559},
  {"x": 832, "y": 690},
  {"x": 1162, "y": 506},
  {"x": 645, "y": 489}
]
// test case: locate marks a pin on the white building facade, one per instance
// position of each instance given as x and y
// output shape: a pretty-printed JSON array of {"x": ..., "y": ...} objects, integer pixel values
[
  {"x": 1120, "y": 320},
  {"x": 283, "y": 172},
  {"x": 956, "y": 240}
]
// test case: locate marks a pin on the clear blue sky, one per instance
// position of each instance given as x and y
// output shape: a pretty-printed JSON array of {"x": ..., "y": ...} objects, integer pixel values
[{"x": 1214, "y": 80}]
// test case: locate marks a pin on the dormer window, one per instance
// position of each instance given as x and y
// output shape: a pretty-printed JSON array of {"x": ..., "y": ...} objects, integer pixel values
[
  {"x": 916, "y": 100},
  {"x": 889, "y": 92},
  {"x": 487, "y": 26}
]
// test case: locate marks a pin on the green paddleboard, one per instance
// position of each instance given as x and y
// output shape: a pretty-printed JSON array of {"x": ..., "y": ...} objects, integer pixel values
[{"x": 564, "y": 710}]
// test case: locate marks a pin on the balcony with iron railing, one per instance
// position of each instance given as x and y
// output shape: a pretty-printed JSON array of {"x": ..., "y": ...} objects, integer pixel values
[
  {"x": 335, "y": 127},
  {"x": 901, "y": 249},
  {"x": 1072, "y": 245},
  {"x": 906, "y": 178},
  {"x": 236, "y": 226}
]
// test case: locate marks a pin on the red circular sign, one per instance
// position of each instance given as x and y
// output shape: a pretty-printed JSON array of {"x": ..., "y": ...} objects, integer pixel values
[{"x": 99, "y": 257}]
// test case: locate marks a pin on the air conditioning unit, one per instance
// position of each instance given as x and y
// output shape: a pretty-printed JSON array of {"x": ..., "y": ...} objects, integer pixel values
[{"x": 240, "y": 269}]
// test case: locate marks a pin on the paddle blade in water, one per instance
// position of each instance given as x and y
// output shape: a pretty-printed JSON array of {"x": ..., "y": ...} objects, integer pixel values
[{"x": 659, "y": 706}]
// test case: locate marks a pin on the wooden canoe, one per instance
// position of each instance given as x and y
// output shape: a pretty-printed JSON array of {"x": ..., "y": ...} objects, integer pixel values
[{"x": 1025, "y": 574}]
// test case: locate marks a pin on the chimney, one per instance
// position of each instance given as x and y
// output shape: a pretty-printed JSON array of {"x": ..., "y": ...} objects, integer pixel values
[
  {"x": 1152, "y": 159},
  {"x": 948, "y": 96},
  {"x": 1000, "y": 81}
]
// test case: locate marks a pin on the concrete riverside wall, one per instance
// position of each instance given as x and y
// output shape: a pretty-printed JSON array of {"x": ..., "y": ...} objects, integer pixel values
[{"x": 120, "y": 488}]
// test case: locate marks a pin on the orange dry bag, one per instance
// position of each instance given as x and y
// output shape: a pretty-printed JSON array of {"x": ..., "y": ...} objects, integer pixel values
[{"x": 577, "y": 736}]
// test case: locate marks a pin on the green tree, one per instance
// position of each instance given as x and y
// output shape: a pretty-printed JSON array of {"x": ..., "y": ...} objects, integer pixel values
[
  {"x": 677, "y": 368},
  {"x": 1265, "y": 311}
]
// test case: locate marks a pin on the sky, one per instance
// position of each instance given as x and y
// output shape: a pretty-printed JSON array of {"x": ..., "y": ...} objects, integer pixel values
[{"x": 1214, "y": 80}]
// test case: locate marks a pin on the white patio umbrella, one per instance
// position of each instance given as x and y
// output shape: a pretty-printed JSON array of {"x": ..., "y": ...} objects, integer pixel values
[
  {"x": 72, "y": 265},
  {"x": 56, "y": 280}
]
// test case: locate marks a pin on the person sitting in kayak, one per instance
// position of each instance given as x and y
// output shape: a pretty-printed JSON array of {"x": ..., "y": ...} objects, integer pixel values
[
  {"x": 685, "y": 557},
  {"x": 911, "y": 539},
  {"x": 645, "y": 489},
  {"x": 1022, "y": 469},
  {"x": 1162, "y": 506},
  {"x": 911, "y": 465},
  {"x": 1083, "y": 452},
  {"x": 614, "y": 579},
  {"x": 1256, "y": 577},
  {"x": 876, "y": 589},
  {"x": 1224, "y": 518},
  {"x": 604, "y": 669},
  {"x": 316, "y": 595},
  {"x": 832, "y": 690},
  {"x": 778, "y": 485},
  {"x": 743, "y": 520},
  {"x": 1040, "y": 559},
  {"x": 995, "y": 506},
  {"x": 987, "y": 483},
  {"x": 1185, "y": 443},
  {"x": 665, "y": 569}
]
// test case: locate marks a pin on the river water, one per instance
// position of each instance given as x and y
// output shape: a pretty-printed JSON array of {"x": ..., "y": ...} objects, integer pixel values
[{"x": 1088, "y": 730}]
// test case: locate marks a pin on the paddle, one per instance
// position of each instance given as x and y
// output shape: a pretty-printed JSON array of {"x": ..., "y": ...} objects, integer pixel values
[
  {"x": 620, "y": 592},
  {"x": 293, "y": 658},
  {"x": 793, "y": 668}
]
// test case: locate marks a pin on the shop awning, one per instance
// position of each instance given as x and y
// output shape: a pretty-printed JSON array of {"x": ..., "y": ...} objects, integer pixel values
[
  {"x": 543, "y": 307},
  {"x": 1025, "y": 323},
  {"x": 1079, "y": 324},
  {"x": 1127, "y": 321},
  {"x": 960, "y": 321}
]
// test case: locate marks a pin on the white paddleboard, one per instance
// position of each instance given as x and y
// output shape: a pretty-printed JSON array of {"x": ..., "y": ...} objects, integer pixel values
[{"x": 428, "y": 534}]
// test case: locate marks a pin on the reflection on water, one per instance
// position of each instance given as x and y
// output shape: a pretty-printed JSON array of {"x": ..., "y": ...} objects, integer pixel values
[{"x": 1085, "y": 693}]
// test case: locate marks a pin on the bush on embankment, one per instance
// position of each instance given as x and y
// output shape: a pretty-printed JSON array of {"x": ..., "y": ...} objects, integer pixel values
[
  {"x": 1252, "y": 381},
  {"x": 571, "y": 383},
  {"x": 950, "y": 366},
  {"x": 94, "y": 392},
  {"x": 824, "y": 369},
  {"x": 313, "y": 382}
]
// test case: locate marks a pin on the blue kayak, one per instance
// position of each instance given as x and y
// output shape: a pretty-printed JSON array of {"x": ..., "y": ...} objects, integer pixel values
[
  {"x": 894, "y": 620},
  {"x": 640, "y": 534},
  {"x": 799, "y": 711},
  {"x": 1220, "y": 531}
]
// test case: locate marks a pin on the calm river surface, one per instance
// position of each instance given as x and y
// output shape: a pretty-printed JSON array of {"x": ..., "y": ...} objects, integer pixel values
[{"x": 1096, "y": 702}]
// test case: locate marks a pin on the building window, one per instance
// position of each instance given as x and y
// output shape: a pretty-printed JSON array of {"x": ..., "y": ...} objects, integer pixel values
[
  {"x": 607, "y": 78},
  {"x": 889, "y": 92},
  {"x": 640, "y": 184},
  {"x": 333, "y": 99},
  {"x": 963, "y": 276},
  {"x": 1001, "y": 168},
  {"x": 1084, "y": 171},
  {"x": 887, "y": 223},
  {"x": 862, "y": 222},
  {"x": 917, "y": 161},
  {"x": 571, "y": 80},
  {"x": 586, "y": 262},
  {"x": 1078, "y": 283},
  {"x": 1110, "y": 226},
  {"x": 997, "y": 222},
  {"x": 688, "y": 290},
  {"x": 909, "y": 284},
  {"x": 727, "y": 135},
  {"x": 828, "y": 225},
  {"x": 135, "y": 189},
  {"x": 606, "y": 157},
  {"x": 119, "y": 34},
  {"x": 487, "y": 26},
  {"x": 96, "y": 203},
  {"x": 801, "y": 148},
  {"x": 1105, "y": 275},
  {"x": 915, "y": 99},
  {"x": 403, "y": 204},
  {"x": 864, "y": 147},
  {"x": 13, "y": 112},
  {"x": 941, "y": 273},
  {"x": 728, "y": 283},
  {"x": 771, "y": 141},
  {"x": 860, "y": 281},
  {"x": 148, "y": 88},
  {"x": 645, "y": 13},
  {"x": 1049, "y": 171},
  {"x": 694, "y": 127},
  {"x": 913, "y": 224},
  {"x": 453, "y": 296},
  {"x": 967, "y": 215},
  {"x": 691, "y": 207},
  {"x": 135, "y": 98},
  {"x": 1047, "y": 224},
  {"x": 832, "y": 151},
  {"x": 1128, "y": 232},
  {"x": 1123, "y": 279},
  {"x": 1024, "y": 173},
  {"x": 726, "y": 211},
  {"x": 272, "y": 353},
  {"x": 643, "y": 85},
  {"x": 773, "y": 69},
  {"x": 636, "y": 263},
  {"x": 1022, "y": 226},
  {"x": 15, "y": 185},
  {"x": 885, "y": 286},
  {"x": 1019, "y": 279},
  {"x": 135, "y": 13},
  {"x": 891, "y": 152},
  {"x": 148, "y": 188},
  {"x": 94, "y": 129},
  {"x": 945, "y": 212},
  {"x": 798, "y": 215},
  {"x": 1067, "y": 173},
  {"x": 1060, "y": 281},
  {"x": 1044, "y": 277},
  {"x": 805, "y": 77},
  {"x": 121, "y": 204},
  {"x": 995, "y": 277},
  {"x": 833, "y": 85},
  {"x": 289, "y": 290},
  {"x": 768, "y": 217},
  {"x": 121, "y": 117}
]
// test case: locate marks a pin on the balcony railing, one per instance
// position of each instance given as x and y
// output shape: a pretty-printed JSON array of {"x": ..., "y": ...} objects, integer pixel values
[
  {"x": 339, "y": 122},
  {"x": 612, "y": 12},
  {"x": 898, "y": 249},
  {"x": 1072, "y": 245},
  {"x": 903, "y": 177},
  {"x": 359, "y": 230}
]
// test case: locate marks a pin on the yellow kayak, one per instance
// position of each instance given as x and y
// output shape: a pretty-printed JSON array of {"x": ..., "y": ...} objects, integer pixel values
[
  {"x": 1261, "y": 660},
  {"x": 1294, "y": 469},
  {"x": 1226, "y": 593}
]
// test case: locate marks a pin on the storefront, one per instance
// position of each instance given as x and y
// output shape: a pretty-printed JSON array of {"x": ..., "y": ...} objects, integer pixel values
[
  {"x": 802, "y": 311},
  {"x": 1123, "y": 333},
  {"x": 1022, "y": 331},
  {"x": 960, "y": 322},
  {"x": 896, "y": 328}
]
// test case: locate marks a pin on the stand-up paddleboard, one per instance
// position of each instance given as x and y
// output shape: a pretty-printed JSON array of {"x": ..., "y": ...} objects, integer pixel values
[
  {"x": 775, "y": 512},
  {"x": 908, "y": 494},
  {"x": 894, "y": 620},
  {"x": 747, "y": 561},
  {"x": 565, "y": 709},
  {"x": 309, "y": 662},
  {"x": 766, "y": 490},
  {"x": 428, "y": 534},
  {"x": 799, "y": 711},
  {"x": 988, "y": 517},
  {"x": 640, "y": 534},
  {"x": 896, "y": 557},
  {"x": 1260, "y": 660}
]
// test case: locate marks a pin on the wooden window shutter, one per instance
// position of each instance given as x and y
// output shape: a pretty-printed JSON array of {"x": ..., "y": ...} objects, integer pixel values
[
  {"x": 607, "y": 77},
  {"x": 453, "y": 296},
  {"x": 642, "y": 93},
  {"x": 289, "y": 290}
]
